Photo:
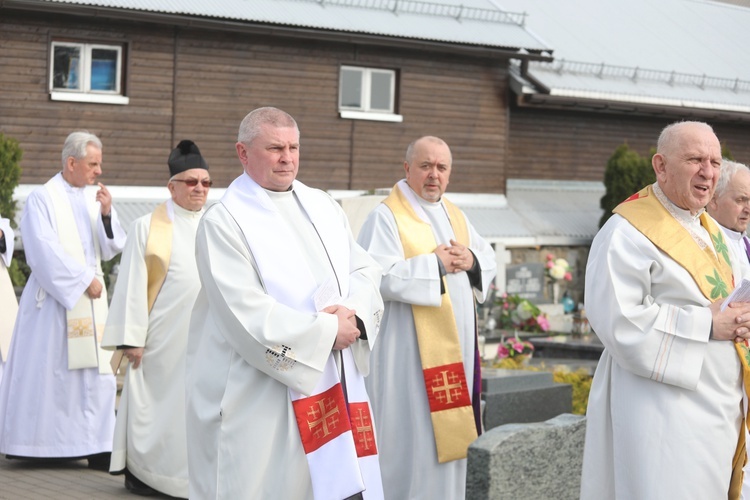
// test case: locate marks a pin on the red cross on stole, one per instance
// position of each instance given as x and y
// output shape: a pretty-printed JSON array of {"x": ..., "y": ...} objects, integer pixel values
[
  {"x": 446, "y": 387},
  {"x": 321, "y": 417}
]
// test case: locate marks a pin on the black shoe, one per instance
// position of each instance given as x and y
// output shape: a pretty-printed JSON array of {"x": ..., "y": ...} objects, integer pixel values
[
  {"x": 138, "y": 487},
  {"x": 100, "y": 461}
]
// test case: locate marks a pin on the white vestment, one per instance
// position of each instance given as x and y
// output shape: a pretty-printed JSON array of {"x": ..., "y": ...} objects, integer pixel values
[
  {"x": 664, "y": 412},
  {"x": 736, "y": 244},
  {"x": 47, "y": 410},
  {"x": 408, "y": 456},
  {"x": 8, "y": 302},
  {"x": 246, "y": 349},
  {"x": 150, "y": 436}
]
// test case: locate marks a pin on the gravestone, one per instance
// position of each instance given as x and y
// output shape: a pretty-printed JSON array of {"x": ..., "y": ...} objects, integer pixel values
[
  {"x": 526, "y": 281},
  {"x": 517, "y": 396},
  {"x": 535, "y": 461}
]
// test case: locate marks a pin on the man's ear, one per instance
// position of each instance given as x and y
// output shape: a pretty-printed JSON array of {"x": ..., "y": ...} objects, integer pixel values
[{"x": 660, "y": 166}]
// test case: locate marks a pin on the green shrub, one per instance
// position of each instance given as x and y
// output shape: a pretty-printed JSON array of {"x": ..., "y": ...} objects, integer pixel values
[
  {"x": 626, "y": 173},
  {"x": 10, "y": 174}
]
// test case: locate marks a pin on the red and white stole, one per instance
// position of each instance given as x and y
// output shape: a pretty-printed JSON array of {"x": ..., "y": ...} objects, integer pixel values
[{"x": 337, "y": 436}]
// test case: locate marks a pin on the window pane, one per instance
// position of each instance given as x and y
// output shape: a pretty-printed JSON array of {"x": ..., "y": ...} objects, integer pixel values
[
  {"x": 103, "y": 69},
  {"x": 380, "y": 94},
  {"x": 351, "y": 88},
  {"x": 66, "y": 70}
]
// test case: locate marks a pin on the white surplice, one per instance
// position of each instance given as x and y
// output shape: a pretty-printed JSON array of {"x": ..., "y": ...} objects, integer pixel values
[
  {"x": 8, "y": 301},
  {"x": 47, "y": 410},
  {"x": 736, "y": 245},
  {"x": 664, "y": 411},
  {"x": 408, "y": 456},
  {"x": 245, "y": 350},
  {"x": 150, "y": 438}
]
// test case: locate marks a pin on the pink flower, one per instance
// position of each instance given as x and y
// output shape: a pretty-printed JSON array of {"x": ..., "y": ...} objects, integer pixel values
[
  {"x": 568, "y": 277},
  {"x": 502, "y": 352},
  {"x": 550, "y": 264},
  {"x": 550, "y": 256},
  {"x": 543, "y": 322},
  {"x": 504, "y": 295},
  {"x": 506, "y": 305},
  {"x": 518, "y": 347}
]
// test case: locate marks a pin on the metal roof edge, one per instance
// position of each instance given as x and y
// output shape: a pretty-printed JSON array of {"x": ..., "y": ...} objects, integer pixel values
[{"x": 269, "y": 29}]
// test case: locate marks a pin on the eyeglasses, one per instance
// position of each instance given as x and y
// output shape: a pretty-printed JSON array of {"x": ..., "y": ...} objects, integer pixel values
[{"x": 206, "y": 183}]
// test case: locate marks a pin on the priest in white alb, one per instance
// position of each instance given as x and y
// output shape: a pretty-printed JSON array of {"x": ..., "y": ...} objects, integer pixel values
[
  {"x": 425, "y": 380},
  {"x": 280, "y": 335},
  {"x": 57, "y": 399},
  {"x": 665, "y": 416},
  {"x": 730, "y": 207},
  {"x": 148, "y": 324},
  {"x": 8, "y": 301}
]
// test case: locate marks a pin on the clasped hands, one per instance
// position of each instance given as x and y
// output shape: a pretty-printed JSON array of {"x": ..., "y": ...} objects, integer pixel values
[
  {"x": 348, "y": 333},
  {"x": 733, "y": 323},
  {"x": 456, "y": 257}
]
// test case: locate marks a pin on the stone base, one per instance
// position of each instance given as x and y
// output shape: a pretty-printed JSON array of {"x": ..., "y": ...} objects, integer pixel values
[
  {"x": 528, "y": 461},
  {"x": 518, "y": 396}
]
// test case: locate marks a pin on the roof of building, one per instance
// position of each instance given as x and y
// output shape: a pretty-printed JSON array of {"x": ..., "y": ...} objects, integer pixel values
[
  {"x": 471, "y": 22},
  {"x": 674, "y": 53}
]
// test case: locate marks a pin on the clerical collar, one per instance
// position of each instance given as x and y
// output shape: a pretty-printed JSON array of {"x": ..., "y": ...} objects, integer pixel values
[
  {"x": 276, "y": 195},
  {"x": 426, "y": 203},
  {"x": 690, "y": 222},
  {"x": 70, "y": 187},
  {"x": 678, "y": 213},
  {"x": 187, "y": 213},
  {"x": 732, "y": 234}
]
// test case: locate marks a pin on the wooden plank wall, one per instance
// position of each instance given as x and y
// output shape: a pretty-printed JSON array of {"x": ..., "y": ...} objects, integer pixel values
[
  {"x": 135, "y": 137},
  {"x": 568, "y": 145},
  {"x": 199, "y": 84}
]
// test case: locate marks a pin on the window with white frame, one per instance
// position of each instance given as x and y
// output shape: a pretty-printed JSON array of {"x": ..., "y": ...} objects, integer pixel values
[
  {"x": 368, "y": 93},
  {"x": 87, "y": 72}
]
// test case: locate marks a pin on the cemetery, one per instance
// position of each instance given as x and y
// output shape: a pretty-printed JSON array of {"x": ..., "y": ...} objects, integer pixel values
[{"x": 539, "y": 355}]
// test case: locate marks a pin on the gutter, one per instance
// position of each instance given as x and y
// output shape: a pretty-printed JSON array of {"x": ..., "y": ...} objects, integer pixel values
[{"x": 274, "y": 31}]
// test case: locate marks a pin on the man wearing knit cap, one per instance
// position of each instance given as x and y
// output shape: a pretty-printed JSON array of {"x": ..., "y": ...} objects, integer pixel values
[{"x": 148, "y": 324}]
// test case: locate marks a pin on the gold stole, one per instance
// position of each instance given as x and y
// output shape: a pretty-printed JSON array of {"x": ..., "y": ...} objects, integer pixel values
[
  {"x": 157, "y": 255},
  {"x": 437, "y": 335},
  {"x": 85, "y": 322},
  {"x": 158, "y": 252},
  {"x": 711, "y": 271}
]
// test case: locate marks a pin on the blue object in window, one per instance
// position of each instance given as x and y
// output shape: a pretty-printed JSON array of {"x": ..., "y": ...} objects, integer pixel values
[{"x": 103, "y": 69}]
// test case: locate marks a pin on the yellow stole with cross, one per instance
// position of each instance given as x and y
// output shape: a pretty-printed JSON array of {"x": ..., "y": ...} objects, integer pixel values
[
  {"x": 437, "y": 336},
  {"x": 157, "y": 256},
  {"x": 711, "y": 271}
]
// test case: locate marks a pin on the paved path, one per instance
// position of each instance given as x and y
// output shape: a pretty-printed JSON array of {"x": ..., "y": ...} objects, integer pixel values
[{"x": 23, "y": 480}]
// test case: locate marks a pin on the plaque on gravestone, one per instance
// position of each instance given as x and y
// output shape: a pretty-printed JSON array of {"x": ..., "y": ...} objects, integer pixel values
[{"x": 526, "y": 281}]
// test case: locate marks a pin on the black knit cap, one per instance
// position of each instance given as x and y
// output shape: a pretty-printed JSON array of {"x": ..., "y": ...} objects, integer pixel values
[{"x": 184, "y": 157}]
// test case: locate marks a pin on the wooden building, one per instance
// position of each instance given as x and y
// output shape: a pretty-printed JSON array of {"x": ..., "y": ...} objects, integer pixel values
[{"x": 167, "y": 76}]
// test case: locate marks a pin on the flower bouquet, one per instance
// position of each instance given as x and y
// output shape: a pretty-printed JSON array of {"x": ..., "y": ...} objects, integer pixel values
[
  {"x": 513, "y": 353},
  {"x": 520, "y": 314},
  {"x": 515, "y": 347},
  {"x": 558, "y": 269}
]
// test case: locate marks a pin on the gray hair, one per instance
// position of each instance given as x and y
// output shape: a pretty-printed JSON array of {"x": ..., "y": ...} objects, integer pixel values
[
  {"x": 728, "y": 169},
  {"x": 76, "y": 144},
  {"x": 251, "y": 124},
  {"x": 409, "y": 156},
  {"x": 669, "y": 135}
]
